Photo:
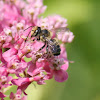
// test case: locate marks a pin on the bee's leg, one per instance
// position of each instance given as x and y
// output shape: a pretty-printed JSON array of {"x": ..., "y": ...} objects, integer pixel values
[
  {"x": 42, "y": 46},
  {"x": 33, "y": 36},
  {"x": 47, "y": 48},
  {"x": 28, "y": 28},
  {"x": 33, "y": 40},
  {"x": 38, "y": 38},
  {"x": 27, "y": 36},
  {"x": 48, "y": 52}
]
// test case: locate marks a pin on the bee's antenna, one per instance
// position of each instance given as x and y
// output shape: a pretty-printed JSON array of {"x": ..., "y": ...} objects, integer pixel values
[
  {"x": 26, "y": 39},
  {"x": 27, "y": 36},
  {"x": 28, "y": 33},
  {"x": 28, "y": 28}
]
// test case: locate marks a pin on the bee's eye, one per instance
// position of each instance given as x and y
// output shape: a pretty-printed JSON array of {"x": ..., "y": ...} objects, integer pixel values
[{"x": 36, "y": 31}]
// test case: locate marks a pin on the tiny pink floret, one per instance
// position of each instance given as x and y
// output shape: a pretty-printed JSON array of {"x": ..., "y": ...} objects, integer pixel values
[{"x": 22, "y": 58}]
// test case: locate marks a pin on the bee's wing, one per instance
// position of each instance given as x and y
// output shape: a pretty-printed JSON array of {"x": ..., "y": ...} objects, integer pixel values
[
  {"x": 62, "y": 29},
  {"x": 58, "y": 31},
  {"x": 49, "y": 41}
]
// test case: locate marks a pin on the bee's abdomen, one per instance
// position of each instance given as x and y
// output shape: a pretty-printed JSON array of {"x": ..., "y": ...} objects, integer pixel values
[{"x": 55, "y": 50}]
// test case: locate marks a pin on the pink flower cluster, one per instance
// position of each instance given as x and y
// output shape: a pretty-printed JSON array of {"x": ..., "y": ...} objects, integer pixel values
[{"x": 15, "y": 17}]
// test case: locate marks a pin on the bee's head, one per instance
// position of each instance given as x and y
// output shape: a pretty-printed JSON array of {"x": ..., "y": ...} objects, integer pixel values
[{"x": 35, "y": 31}]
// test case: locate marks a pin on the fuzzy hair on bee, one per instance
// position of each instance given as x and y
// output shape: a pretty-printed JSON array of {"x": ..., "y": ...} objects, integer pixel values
[
  {"x": 39, "y": 34},
  {"x": 54, "y": 46}
]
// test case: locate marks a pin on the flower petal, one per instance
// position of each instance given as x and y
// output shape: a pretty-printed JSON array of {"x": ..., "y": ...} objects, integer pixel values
[
  {"x": 60, "y": 75},
  {"x": 20, "y": 81},
  {"x": 65, "y": 66},
  {"x": 2, "y": 95}
]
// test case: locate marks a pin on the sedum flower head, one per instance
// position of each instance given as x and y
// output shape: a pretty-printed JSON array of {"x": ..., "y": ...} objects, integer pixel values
[{"x": 15, "y": 17}]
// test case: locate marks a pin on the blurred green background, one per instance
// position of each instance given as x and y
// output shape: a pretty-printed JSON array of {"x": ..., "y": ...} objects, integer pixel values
[{"x": 84, "y": 75}]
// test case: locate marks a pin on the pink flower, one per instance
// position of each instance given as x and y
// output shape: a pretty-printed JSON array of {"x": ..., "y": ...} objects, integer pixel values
[
  {"x": 1, "y": 57},
  {"x": 37, "y": 72},
  {"x": 60, "y": 75},
  {"x": 17, "y": 95},
  {"x": 66, "y": 37},
  {"x": 8, "y": 54},
  {"x": 20, "y": 4},
  {"x": 58, "y": 69},
  {"x": 2, "y": 96},
  {"x": 58, "y": 21},
  {"x": 20, "y": 53},
  {"x": 10, "y": 13},
  {"x": 32, "y": 10},
  {"x": 4, "y": 80},
  {"x": 22, "y": 83}
]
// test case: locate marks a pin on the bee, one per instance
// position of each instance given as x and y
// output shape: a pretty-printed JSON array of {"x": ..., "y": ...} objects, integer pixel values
[{"x": 52, "y": 46}]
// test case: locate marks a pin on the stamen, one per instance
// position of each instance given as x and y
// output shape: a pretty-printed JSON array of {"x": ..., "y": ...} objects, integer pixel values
[
  {"x": 7, "y": 31},
  {"x": 31, "y": 11},
  {"x": 20, "y": 26}
]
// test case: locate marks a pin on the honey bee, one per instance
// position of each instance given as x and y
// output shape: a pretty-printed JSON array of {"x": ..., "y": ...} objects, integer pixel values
[{"x": 52, "y": 46}]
